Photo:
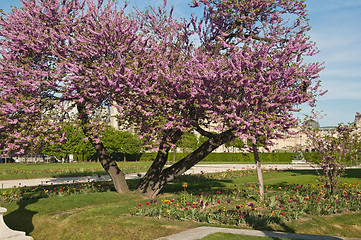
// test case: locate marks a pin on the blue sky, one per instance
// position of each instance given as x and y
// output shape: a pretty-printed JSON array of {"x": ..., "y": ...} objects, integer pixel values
[{"x": 336, "y": 28}]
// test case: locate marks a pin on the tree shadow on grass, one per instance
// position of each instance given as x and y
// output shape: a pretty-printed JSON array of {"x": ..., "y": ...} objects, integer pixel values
[
  {"x": 261, "y": 222},
  {"x": 303, "y": 172},
  {"x": 195, "y": 184},
  {"x": 283, "y": 227},
  {"x": 349, "y": 173},
  {"x": 80, "y": 174},
  {"x": 22, "y": 218},
  {"x": 352, "y": 173},
  {"x": 263, "y": 225}
]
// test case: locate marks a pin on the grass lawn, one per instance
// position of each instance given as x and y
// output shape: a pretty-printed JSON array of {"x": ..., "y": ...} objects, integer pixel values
[
  {"x": 88, "y": 216},
  {"x": 230, "y": 236},
  {"x": 107, "y": 215},
  {"x": 39, "y": 170}
]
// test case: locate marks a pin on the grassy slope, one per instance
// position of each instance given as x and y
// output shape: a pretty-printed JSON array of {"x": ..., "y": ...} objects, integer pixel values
[
  {"x": 106, "y": 215},
  {"x": 89, "y": 216}
]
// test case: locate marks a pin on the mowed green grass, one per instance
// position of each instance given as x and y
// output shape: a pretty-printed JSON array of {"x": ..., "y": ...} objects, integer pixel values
[
  {"x": 230, "y": 236},
  {"x": 40, "y": 170},
  {"x": 107, "y": 215},
  {"x": 88, "y": 216}
]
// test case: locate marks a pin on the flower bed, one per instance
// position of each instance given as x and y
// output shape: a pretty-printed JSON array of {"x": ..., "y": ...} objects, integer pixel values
[
  {"x": 241, "y": 205},
  {"x": 22, "y": 193}
]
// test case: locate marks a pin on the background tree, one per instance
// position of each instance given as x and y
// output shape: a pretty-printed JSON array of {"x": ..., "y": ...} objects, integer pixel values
[
  {"x": 75, "y": 143},
  {"x": 188, "y": 142},
  {"x": 124, "y": 142}
]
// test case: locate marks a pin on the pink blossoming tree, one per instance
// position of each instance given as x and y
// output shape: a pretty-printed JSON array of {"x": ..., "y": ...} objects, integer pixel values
[
  {"x": 242, "y": 81},
  {"x": 236, "y": 72},
  {"x": 335, "y": 150}
]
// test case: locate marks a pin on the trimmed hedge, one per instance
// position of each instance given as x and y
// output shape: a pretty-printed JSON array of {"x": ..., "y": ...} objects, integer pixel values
[
  {"x": 280, "y": 157},
  {"x": 229, "y": 157},
  {"x": 316, "y": 157}
]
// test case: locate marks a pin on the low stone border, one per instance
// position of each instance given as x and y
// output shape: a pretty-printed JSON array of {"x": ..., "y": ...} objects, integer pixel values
[
  {"x": 198, "y": 233},
  {"x": 7, "y": 233}
]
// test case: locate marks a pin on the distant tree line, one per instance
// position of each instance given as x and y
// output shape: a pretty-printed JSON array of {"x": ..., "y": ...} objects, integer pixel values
[{"x": 119, "y": 143}]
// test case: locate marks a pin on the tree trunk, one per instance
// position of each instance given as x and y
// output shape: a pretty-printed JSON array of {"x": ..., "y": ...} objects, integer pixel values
[
  {"x": 259, "y": 171},
  {"x": 105, "y": 158},
  {"x": 111, "y": 167},
  {"x": 150, "y": 183},
  {"x": 156, "y": 178}
]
